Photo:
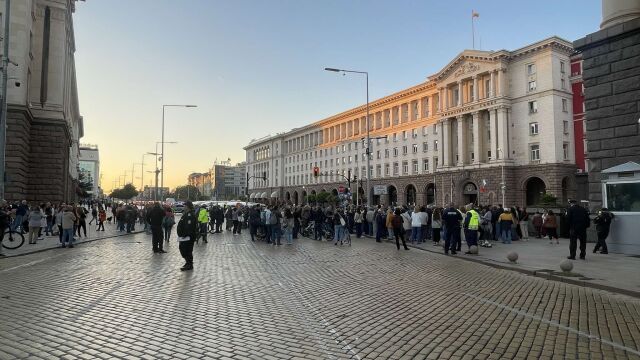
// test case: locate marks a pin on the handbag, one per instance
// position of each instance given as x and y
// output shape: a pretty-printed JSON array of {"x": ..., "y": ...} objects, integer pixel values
[{"x": 342, "y": 222}]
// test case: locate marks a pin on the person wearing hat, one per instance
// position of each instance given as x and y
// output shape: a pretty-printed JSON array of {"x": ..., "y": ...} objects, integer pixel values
[{"x": 578, "y": 219}]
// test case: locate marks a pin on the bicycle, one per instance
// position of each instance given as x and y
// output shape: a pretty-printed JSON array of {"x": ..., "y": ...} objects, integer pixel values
[{"x": 12, "y": 239}]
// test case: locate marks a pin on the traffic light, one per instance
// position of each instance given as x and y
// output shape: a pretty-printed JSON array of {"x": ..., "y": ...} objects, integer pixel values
[{"x": 316, "y": 171}]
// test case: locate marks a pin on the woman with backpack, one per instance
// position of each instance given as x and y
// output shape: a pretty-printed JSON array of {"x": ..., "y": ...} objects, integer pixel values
[
  {"x": 167, "y": 223},
  {"x": 398, "y": 231}
]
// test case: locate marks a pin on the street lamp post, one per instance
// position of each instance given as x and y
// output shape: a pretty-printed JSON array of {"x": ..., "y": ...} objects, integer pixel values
[
  {"x": 162, "y": 149},
  {"x": 503, "y": 185},
  {"x": 366, "y": 74}
]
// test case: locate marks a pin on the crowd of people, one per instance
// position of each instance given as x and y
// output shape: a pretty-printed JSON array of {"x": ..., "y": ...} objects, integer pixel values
[{"x": 277, "y": 224}]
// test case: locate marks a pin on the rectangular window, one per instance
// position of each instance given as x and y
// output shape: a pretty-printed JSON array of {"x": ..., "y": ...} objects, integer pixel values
[
  {"x": 531, "y": 69},
  {"x": 395, "y": 151},
  {"x": 563, "y": 84},
  {"x": 533, "y": 107},
  {"x": 564, "y": 105},
  {"x": 424, "y": 131},
  {"x": 405, "y": 168},
  {"x": 405, "y": 135},
  {"x": 533, "y": 128},
  {"x": 415, "y": 148},
  {"x": 378, "y": 170},
  {"x": 565, "y": 127},
  {"x": 532, "y": 85},
  {"x": 425, "y": 146},
  {"x": 535, "y": 152},
  {"x": 395, "y": 137},
  {"x": 565, "y": 151},
  {"x": 414, "y": 133},
  {"x": 435, "y": 145},
  {"x": 350, "y": 159},
  {"x": 623, "y": 197},
  {"x": 436, "y": 163},
  {"x": 395, "y": 168},
  {"x": 435, "y": 129},
  {"x": 562, "y": 67},
  {"x": 416, "y": 168},
  {"x": 386, "y": 170},
  {"x": 425, "y": 165},
  {"x": 386, "y": 153},
  {"x": 405, "y": 150}
]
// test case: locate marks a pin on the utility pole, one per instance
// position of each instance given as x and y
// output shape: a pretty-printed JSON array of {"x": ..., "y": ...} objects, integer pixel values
[{"x": 3, "y": 115}]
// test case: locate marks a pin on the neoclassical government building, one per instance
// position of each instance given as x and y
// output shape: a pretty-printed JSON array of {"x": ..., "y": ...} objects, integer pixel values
[{"x": 487, "y": 116}]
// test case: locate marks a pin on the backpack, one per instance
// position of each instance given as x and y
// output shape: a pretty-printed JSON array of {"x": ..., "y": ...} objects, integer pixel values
[
  {"x": 181, "y": 229},
  {"x": 273, "y": 219},
  {"x": 396, "y": 221}
]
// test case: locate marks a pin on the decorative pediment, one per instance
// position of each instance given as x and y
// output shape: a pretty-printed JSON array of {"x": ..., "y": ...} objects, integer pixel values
[{"x": 466, "y": 68}]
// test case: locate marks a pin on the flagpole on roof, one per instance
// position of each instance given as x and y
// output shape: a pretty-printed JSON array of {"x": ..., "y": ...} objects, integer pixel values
[{"x": 474, "y": 15}]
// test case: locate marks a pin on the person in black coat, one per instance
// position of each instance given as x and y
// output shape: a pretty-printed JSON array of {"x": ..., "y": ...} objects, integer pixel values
[
  {"x": 579, "y": 221},
  {"x": 155, "y": 217},
  {"x": 603, "y": 224}
]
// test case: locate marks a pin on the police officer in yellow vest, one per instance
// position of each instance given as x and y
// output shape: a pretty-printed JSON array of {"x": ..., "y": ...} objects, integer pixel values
[
  {"x": 471, "y": 226},
  {"x": 203, "y": 221}
]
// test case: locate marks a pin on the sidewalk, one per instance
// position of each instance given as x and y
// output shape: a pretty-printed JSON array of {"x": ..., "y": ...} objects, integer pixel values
[
  {"x": 52, "y": 242},
  {"x": 613, "y": 272}
]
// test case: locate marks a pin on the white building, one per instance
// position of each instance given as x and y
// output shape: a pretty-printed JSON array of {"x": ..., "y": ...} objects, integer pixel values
[
  {"x": 443, "y": 140},
  {"x": 89, "y": 164}
]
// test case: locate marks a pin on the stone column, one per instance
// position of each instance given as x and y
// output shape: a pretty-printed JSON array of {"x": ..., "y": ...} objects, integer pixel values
[
  {"x": 460, "y": 93},
  {"x": 419, "y": 109},
  {"x": 503, "y": 137},
  {"x": 441, "y": 98},
  {"x": 446, "y": 143},
  {"x": 440, "y": 142},
  {"x": 619, "y": 11},
  {"x": 492, "y": 85},
  {"x": 477, "y": 138},
  {"x": 462, "y": 141},
  {"x": 500, "y": 91},
  {"x": 494, "y": 134},
  {"x": 475, "y": 88}
]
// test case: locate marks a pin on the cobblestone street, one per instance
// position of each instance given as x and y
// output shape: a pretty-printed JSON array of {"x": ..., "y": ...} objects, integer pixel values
[{"x": 115, "y": 299}]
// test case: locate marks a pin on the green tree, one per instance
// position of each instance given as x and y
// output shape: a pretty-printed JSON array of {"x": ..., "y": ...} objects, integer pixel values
[
  {"x": 311, "y": 198},
  {"x": 186, "y": 192},
  {"x": 127, "y": 192}
]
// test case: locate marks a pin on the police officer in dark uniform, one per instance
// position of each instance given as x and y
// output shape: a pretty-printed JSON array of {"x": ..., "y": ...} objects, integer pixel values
[
  {"x": 603, "y": 224},
  {"x": 452, "y": 219},
  {"x": 187, "y": 231},
  {"x": 579, "y": 221}
]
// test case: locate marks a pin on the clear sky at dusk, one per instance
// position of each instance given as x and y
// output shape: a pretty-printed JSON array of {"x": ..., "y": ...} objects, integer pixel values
[{"x": 255, "y": 67}]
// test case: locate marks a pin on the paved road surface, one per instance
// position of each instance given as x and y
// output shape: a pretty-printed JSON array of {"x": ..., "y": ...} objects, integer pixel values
[{"x": 114, "y": 298}]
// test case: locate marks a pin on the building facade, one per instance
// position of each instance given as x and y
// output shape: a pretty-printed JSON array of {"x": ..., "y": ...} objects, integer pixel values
[
  {"x": 43, "y": 117},
  {"x": 89, "y": 167},
  {"x": 222, "y": 181},
  {"x": 445, "y": 140}
]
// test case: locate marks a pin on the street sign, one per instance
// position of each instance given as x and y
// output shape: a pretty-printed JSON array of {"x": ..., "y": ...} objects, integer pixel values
[
  {"x": 380, "y": 190},
  {"x": 341, "y": 189}
]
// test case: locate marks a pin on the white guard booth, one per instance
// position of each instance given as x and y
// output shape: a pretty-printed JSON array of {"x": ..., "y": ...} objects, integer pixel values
[{"x": 621, "y": 195}]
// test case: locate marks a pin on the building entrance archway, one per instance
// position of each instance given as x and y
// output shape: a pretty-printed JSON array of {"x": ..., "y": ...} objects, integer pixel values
[
  {"x": 470, "y": 193},
  {"x": 431, "y": 194},
  {"x": 392, "y": 192},
  {"x": 410, "y": 195},
  {"x": 535, "y": 188}
]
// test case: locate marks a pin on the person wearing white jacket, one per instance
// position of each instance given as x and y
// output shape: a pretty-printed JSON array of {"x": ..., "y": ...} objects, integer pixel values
[{"x": 418, "y": 218}]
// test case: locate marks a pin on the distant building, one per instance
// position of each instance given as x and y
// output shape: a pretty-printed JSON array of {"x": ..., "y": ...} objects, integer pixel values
[
  {"x": 223, "y": 181},
  {"x": 89, "y": 166},
  {"x": 44, "y": 123}
]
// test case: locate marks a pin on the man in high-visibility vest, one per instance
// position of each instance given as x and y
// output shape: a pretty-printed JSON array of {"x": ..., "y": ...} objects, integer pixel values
[
  {"x": 203, "y": 221},
  {"x": 471, "y": 226}
]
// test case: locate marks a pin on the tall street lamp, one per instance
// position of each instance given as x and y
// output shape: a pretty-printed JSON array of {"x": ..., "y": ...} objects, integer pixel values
[
  {"x": 503, "y": 185},
  {"x": 368, "y": 152},
  {"x": 161, "y": 169},
  {"x": 162, "y": 149}
]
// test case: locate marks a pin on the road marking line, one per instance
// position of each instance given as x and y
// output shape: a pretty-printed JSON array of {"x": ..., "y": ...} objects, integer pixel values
[
  {"x": 29, "y": 263},
  {"x": 555, "y": 323}
]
